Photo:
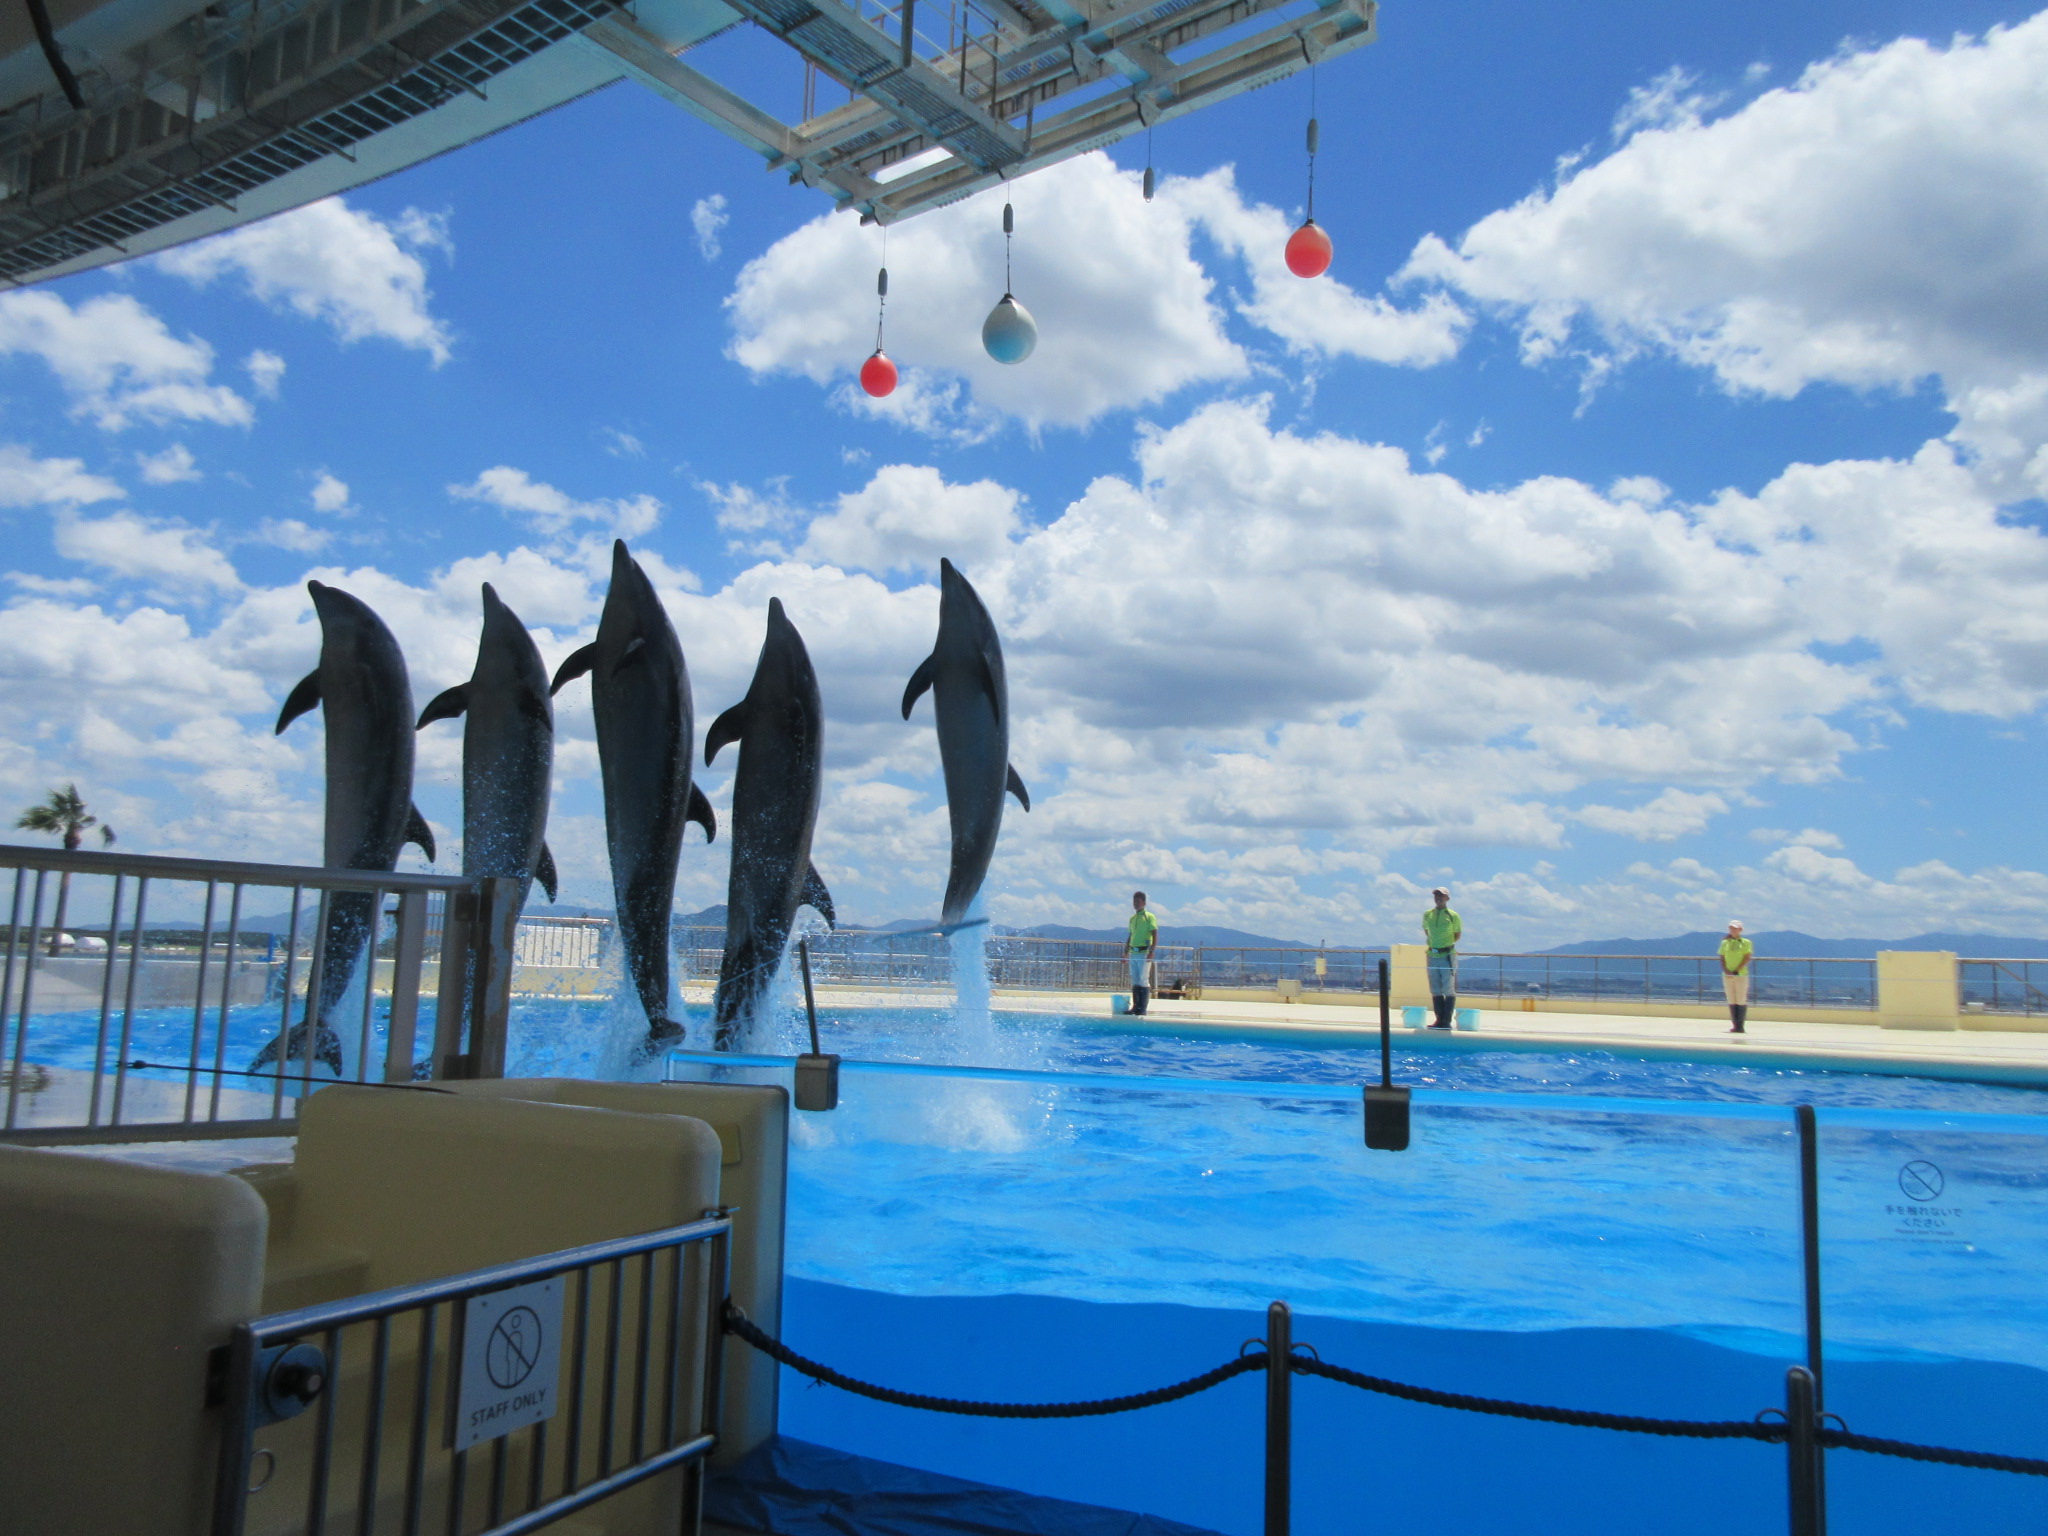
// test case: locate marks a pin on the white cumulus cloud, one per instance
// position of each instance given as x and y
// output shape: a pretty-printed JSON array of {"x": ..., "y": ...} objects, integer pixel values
[
  {"x": 1879, "y": 221},
  {"x": 167, "y": 557},
  {"x": 174, "y": 466},
  {"x": 118, "y": 361},
  {"x": 330, "y": 262},
  {"x": 27, "y": 481}
]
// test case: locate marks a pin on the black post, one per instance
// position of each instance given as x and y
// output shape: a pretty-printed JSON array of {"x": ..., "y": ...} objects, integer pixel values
[
  {"x": 1802, "y": 1455},
  {"x": 1386, "y": 1032},
  {"x": 1809, "y": 1233},
  {"x": 1279, "y": 1418},
  {"x": 1386, "y": 1107},
  {"x": 817, "y": 1074}
]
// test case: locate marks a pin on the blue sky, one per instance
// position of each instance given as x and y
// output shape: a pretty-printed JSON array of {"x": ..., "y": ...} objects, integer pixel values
[{"x": 1639, "y": 527}]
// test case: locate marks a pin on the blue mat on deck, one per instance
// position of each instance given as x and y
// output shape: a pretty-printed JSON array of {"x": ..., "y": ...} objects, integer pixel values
[{"x": 793, "y": 1488}]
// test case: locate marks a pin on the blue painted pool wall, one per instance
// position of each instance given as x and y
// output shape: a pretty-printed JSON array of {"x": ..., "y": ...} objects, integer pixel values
[{"x": 1370, "y": 1464}]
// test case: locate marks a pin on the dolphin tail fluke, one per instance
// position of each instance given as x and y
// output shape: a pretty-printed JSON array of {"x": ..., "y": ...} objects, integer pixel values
[
  {"x": 727, "y": 728},
  {"x": 302, "y": 700},
  {"x": 816, "y": 897},
  {"x": 544, "y": 871},
  {"x": 326, "y": 1048},
  {"x": 418, "y": 833},
  {"x": 578, "y": 663},
  {"x": 663, "y": 1036},
  {"x": 702, "y": 814},
  {"x": 926, "y": 674},
  {"x": 446, "y": 706},
  {"x": 1016, "y": 787}
]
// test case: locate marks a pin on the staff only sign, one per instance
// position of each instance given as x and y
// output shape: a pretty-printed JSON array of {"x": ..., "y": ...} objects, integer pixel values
[{"x": 511, "y": 1361}]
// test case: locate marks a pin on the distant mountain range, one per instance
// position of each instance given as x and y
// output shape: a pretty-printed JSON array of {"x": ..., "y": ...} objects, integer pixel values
[
  {"x": 1791, "y": 942},
  {"x": 1776, "y": 942}
]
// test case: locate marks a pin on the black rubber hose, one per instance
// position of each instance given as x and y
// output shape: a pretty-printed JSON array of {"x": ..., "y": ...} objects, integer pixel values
[{"x": 46, "y": 34}]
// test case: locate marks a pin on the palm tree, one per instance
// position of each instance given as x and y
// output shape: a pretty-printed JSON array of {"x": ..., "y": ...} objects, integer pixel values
[{"x": 64, "y": 813}]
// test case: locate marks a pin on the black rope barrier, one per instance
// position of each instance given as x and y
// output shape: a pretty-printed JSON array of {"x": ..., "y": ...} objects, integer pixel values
[
  {"x": 737, "y": 1322},
  {"x": 1694, "y": 1429},
  {"x": 741, "y": 1326},
  {"x": 1989, "y": 1461}
]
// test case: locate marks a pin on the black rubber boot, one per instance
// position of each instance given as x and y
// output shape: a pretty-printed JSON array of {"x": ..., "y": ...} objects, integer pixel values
[
  {"x": 1141, "y": 999},
  {"x": 1442, "y": 1017},
  {"x": 1740, "y": 1011}
]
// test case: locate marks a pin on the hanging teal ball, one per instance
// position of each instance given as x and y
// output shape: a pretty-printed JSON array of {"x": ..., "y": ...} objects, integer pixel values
[{"x": 1009, "y": 333}]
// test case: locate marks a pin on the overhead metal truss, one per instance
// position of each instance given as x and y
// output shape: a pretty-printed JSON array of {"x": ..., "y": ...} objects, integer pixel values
[
  {"x": 949, "y": 96},
  {"x": 237, "y": 96}
]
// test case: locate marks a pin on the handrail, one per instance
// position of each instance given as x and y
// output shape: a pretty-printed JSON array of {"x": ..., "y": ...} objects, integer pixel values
[{"x": 169, "y": 867}]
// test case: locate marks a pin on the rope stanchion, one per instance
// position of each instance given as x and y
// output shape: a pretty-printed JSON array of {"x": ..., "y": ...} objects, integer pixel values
[{"x": 742, "y": 1326}]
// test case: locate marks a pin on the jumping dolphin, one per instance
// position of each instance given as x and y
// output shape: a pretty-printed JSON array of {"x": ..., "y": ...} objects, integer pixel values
[
  {"x": 972, "y": 699},
  {"x": 361, "y": 684},
  {"x": 508, "y": 752},
  {"x": 640, "y": 694},
  {"x": 780, "y": 726}
]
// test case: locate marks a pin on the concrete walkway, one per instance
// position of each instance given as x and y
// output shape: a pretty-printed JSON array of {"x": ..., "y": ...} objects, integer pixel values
[{"x": 1995, "y": 1056}]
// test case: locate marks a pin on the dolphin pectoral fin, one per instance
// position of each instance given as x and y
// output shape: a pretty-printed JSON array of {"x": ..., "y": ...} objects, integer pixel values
[
  {"x": 926, "y": 674},
  {"x": 544, "y": 871},
  {"x": 1016, "y": 787},
  {"x": 816, "y": 897},
  {"x": 418, "y": 833},
  {"x": 988, "y": 683},
  {"x": 577, "y": 663},
  {"x": 304, "y": 698},
  {"x": 446, "y": 706},
  {"x": 728, "y": 727},
  {"x": 702, "y": 814}
]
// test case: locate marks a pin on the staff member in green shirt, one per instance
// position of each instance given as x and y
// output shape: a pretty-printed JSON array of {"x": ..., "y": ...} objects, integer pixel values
[
  {"x": 1736, "y": 954},
  {"x": 1441, "y": 930},
  {"x": 1138, "y": 947}
]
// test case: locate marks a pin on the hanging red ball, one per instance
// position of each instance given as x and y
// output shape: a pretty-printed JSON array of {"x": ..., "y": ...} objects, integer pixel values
[
  {"x": 1309, "y": 251},
  {"x": 878, "y": 375}
]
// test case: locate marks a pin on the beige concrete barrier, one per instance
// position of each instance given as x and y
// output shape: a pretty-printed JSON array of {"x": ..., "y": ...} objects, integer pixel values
[{"x": 1917, "y": 989}]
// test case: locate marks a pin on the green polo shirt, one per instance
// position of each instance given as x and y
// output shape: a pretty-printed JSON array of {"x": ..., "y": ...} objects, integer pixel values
[
  {"x": 1144, "y": 929},
  {"x": 1442, "y": 927},
  {"x": 1735, "y": 954}
]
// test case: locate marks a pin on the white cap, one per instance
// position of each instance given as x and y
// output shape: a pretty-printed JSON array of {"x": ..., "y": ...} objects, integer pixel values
[{"x": 1734, "y": 922}]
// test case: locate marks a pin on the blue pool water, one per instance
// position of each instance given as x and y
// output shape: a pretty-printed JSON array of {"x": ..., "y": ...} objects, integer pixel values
[{"x": 1082, "y": 1210}]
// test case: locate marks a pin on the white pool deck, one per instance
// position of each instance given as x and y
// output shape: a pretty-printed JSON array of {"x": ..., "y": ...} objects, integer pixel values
[{"x": 2003, "y": 1055}]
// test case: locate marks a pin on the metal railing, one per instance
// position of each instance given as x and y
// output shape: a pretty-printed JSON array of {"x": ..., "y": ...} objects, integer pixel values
[
  {"x": 562, "y": 943},
  {"x": 509, "y": 1397},
  {"x": 2003, "y": 986},
  {"x": 153, "y": 1033},
  {"x": 1317, "y": 970},
  {"x": 1786, "y": 981}
]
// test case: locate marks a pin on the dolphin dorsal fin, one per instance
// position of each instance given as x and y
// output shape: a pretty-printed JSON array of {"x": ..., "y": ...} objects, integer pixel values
[
  {"x": 728, "y": 727},
  {"x": 303, "y": 699},
  {"x": 577, "y": 663},
  {"x": 816, "y": 897},
  {"x": 446, "y": 706},
  {"x": 1016, "y": 787},
  {"x": 544, "y": 871},
  {"x": 701, "y": 813},
  {"x": 926, "y": 674},
  {"x": 418, "y": 833}
]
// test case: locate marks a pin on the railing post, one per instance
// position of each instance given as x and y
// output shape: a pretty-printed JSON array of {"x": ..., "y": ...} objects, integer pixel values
[
  {"x": 408, "y": 959},
  {"x": 1279, "y": 1418},
  {"x": 1802, "y": 1454}
]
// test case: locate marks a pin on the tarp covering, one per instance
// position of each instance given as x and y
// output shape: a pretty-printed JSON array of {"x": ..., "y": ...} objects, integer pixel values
[{"x": 792, "y": 1488}]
